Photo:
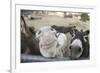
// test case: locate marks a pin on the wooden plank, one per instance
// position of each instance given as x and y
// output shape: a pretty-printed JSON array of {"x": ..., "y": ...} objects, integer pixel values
[{"x": 37, "y": 58}]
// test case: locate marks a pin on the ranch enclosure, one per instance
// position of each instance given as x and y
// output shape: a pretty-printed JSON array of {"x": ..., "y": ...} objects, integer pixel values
[{"x": 40, "y": 18}]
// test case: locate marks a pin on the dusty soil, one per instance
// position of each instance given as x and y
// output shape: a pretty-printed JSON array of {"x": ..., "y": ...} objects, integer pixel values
[{"x": 57, "y": 20}]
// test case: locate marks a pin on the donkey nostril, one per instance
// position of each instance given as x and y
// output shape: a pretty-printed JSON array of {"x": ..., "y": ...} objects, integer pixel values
[{"x": 79, "y": 49}]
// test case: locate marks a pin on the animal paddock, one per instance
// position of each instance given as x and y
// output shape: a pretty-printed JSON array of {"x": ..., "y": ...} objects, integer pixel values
[{"x": 49, "y": 20}]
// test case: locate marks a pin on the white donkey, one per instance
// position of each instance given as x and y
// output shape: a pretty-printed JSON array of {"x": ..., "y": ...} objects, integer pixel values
[{"x": 51, "y": 43}]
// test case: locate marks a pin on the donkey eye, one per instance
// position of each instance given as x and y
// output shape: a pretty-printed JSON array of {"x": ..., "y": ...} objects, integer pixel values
[
  {"x": 70, "y": 47},
  {"x": 73, "y": 35},
  {"x": 39, "y": 32},
  {"x": 52, "y": 29}
]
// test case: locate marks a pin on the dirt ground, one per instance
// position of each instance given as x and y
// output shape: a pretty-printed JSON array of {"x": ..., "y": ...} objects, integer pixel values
[{"x": 49, "y": 20}]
